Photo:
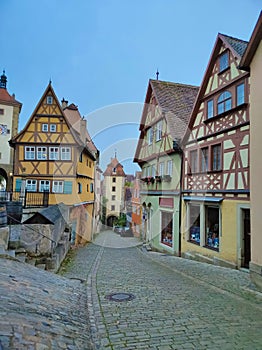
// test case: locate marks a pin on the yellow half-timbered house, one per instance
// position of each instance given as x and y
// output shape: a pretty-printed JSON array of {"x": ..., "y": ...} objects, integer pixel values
[{"x": 55, "y": 155}]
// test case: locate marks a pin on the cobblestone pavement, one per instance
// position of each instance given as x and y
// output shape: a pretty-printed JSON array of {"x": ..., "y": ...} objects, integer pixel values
[
  {"x": 178, "y": 304},
  {"x": 40, "y": 310}
]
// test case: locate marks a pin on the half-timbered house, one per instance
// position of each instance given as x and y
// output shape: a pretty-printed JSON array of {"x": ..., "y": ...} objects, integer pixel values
[
  {"x": 164, "y": 120},
  {"x": 54, "y": 155},
  {"x": 216, "y": 210}
]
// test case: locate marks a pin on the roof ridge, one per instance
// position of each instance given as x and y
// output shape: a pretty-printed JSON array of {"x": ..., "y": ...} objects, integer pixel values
[{"x": 173, "y": 83}]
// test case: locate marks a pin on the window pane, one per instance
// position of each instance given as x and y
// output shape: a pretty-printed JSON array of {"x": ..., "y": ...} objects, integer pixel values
[
  {"x": 240, "y": 94},
  {"x": 212, "y": 226},
  {"x": 193, "y": 161},
  {"x": 170, "y": 168},
  {"x": 210, "y": 109},
  {"x": 216, "y": 157},
  {"x": 194, "y": 223},
  {"x": 44, "y": 185},
  {"x": 223, "y": 61},
  {"x": 204, "y": 159}
]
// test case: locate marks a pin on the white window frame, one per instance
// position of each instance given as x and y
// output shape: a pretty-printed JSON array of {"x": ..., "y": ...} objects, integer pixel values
[
  {"x": 41, "y": 153},
  {"x": 53, "y": 153},
  {"x": 49, "y": 100},
  {"x": 240, "y": 94},
  {"x": 31, "y": 185},
  {"x": 210, "y": 109},
  {"x": 65, "y": 153},
  {"x": 44, "y": 127},
  {"x": 44, "y": 185},
  {"x": 169, "y": 168},
  {"x": 161, "y": 168},
  {"x": 58, "y": 186},
  {"x": 159, "y": 127},
  {"x": 150, "y": 136},
  {"x": 29, "y": 152},
  {"x": 153, "y": 171},
  {"x": 52, "y": 127}
]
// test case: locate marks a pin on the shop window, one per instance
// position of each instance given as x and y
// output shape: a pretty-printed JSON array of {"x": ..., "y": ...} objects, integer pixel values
[
  {"x": 240, "y": 94},
  {"x": 224, "y": 102},
  {"x": 194, "y": 223},
  {"x": 216, "y": 157},
  {"x": 223, "y": 61},
  {"x": 212, "y": 226},
  {"x": 204, "y": 159},
  {"x": 210, "y": 109},
  {"x": 167, "y": 228},
  {"x": 193, "y": 161}
]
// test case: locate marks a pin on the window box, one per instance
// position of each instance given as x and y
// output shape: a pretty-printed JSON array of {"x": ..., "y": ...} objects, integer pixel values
[{"x": 158, "y": 179}]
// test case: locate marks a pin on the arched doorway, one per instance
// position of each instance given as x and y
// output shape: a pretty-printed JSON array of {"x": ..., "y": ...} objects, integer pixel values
[{"x": 110, "y": 220}]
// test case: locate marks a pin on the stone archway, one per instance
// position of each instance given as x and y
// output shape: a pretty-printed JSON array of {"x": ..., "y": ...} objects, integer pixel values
[{"x": 110, "y": 220}]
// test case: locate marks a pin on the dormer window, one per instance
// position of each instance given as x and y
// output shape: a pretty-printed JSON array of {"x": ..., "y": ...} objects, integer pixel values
[
  {"x": 223, "y": 62},
  {"x": 224, "y": 102},
  {"x": 49, "y": 100}
]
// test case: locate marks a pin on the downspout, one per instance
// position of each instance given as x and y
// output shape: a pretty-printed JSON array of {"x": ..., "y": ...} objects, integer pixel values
[{"x": 177, "y": 148}]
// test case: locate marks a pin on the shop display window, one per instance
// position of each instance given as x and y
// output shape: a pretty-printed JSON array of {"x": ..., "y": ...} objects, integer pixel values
[
  {"x": 212, "y": 226},
  {"x": 194, "y": 223},
  {"x": 167, "y": 228}
]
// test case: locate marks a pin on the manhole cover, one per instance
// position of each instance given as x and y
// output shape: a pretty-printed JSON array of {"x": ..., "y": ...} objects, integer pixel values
[{"x": 120, "y": 297}]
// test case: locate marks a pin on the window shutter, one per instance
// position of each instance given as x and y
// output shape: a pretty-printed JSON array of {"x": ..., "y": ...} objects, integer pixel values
[
  {"x": 68, "y": 187},
  {"x": 18, "y": 183}
]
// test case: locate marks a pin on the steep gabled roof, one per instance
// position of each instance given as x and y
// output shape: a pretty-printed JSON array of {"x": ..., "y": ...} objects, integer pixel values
[
  {"x": 114, "y": 164},
  {"x": 254, "y": 41},
  {"x": 74, "y": 118},
  {"x": 237, "y": 47},
  {"x": 175, "y": 101}
]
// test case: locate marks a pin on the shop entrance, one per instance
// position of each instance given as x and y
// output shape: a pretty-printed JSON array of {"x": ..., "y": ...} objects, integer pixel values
[{"x": 246, "y": 238}]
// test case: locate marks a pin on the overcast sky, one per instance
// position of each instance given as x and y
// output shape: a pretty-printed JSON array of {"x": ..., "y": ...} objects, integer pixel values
[{"x": 101, "y": 54}]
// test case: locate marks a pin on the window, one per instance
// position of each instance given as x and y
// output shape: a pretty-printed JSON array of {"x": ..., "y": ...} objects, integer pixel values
[
  {"x": 49, "y": 100},
  {"x": 81, "y": 157},
  {"x": 65, "y": 153},
  {"x": 1, "y": 111},
  {"x": 29, "y": 153},
  {"x": 210, "y": 109},
  {"x": 53, "y": 153},
  {"x": 4, "y": 130},
  {"x": 79, "y": 185},
  {"x": 45, "y": 127},
  {"x": 90, "y": 164},
  {"x": 216, "y": 157},
  {"x": 167, "y": 228},
  {"x": 58, "y": 186},
  {"x": 240, "y": 94},
  {"x": 169, "y": 168},
  {"x": 112, "y": 207},
  {"x": 223, "y": 62},
  {"x": 159, "y": 130},
  {"x": 53, "y": 127},
  {"x": 113, "y": 189},
  {"x": 150, "y": 134},
  {"x": 113, "y": 198},
  {"x": 31, "y": 185},
  {"x": 212, "y": 226},
  {"x": 87, "y": 188},
  {"x": 194, "y": 223},
  {"x": 193, "y": 161},
  {"x": 161, "y": 169},
  {"x": 204, "y": 159},
  {"x": 153, "y": 171},
  {"x": 91, "y": 187},
  {"x": 44, "y": 185},
  {"x": 224, "y": 102},
  {"x": 41, "y": 153},
  {"x": 114, "y": 179}
]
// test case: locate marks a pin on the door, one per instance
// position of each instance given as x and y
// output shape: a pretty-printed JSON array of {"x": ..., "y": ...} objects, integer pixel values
[{"x": 246, "y": 237}]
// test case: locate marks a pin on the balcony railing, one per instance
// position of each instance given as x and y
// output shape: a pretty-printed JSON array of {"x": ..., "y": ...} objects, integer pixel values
[{"x": 28, "y": 200}]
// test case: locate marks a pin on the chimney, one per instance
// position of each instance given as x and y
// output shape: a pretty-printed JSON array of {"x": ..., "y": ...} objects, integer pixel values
[
  {"x": 64, "y": 103},
  {"x": 83, "y": 130}
]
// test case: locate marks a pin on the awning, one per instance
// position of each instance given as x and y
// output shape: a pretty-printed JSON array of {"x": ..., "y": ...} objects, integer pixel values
[{"x": 203, "y": 199}]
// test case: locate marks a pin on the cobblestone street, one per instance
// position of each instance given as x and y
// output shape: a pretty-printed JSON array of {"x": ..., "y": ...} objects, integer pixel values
[
  {"x": 178, "y": 304},
  {"x": 175, "y": 303}
]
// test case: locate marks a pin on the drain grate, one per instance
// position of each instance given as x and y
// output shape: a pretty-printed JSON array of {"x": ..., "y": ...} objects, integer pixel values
[{"x": 119, "y": 297}]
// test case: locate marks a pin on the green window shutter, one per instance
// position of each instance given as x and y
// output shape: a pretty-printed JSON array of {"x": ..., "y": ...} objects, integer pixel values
[
  {"x": 68, "y": 187},
  {"x": 18, "y": 183}
]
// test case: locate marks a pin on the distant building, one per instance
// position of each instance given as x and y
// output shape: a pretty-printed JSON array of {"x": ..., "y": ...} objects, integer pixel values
[
  {"x": 114, "y": 190},
  {"x": 252, "y": 61},
  {"x": 10, "y": 109}
]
